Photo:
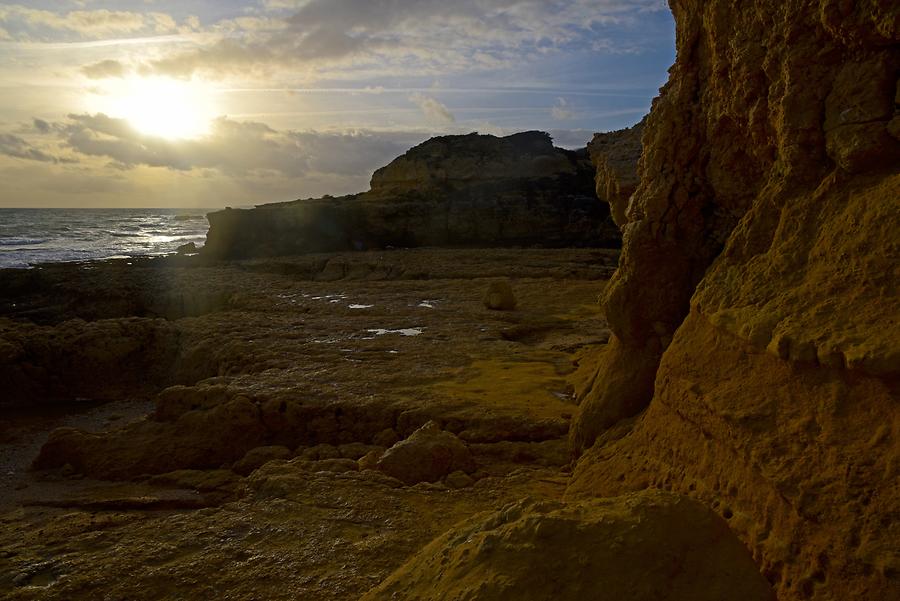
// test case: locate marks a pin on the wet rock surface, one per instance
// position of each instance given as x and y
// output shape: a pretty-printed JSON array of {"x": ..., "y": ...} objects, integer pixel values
[{"x": 280, "y": 465}]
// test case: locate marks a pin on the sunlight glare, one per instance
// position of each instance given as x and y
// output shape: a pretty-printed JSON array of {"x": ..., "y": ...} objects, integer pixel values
[{"x": 163, "y": 107}]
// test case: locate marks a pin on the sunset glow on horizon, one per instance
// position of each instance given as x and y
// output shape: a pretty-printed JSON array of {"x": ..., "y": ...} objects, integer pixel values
[{"x": 126, "y": 103}]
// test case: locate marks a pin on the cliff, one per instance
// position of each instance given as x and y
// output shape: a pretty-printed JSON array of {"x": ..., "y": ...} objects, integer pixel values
[
  {"x": 472, "y": 190},
  {"x": 755, "y": 306}
]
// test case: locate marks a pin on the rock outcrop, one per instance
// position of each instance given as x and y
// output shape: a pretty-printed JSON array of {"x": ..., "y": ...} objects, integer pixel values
[
  {"x": 615, "y": 156},
  {"x": 642, "y": 547},
  {"x": 754, "y": 308},
  {"x": 473, "y": 190},
  {"x": 97, "y": 361}
]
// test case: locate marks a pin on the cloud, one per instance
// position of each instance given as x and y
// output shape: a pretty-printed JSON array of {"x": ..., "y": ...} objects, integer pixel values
[
  {"x": 16, "y": 147},
  {"x": 433, "y": 110},
  {"x": 561, "y": 111},
  {"x": 237, "y": 163},
  {"x": 236, "y": 148},
  {"x": 93, "y": 24},
  {"x": 412, "y": 36},
  {"x": 104, "y": 69}
]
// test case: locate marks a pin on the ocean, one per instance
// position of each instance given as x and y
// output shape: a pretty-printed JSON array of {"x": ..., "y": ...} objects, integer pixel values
[{"x": 32, "y": 236}]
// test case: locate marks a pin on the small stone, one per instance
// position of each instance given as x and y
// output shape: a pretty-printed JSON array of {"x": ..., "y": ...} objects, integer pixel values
[
  {"x": 499, "y": 296},
  {"x": 369, "y": 461},
  {"x": 256, "y": 458},
  {"x": 353, "y": 450},
  {"x": 186, "y": 249},
  {"x": 458, "y": 479},
  {"x": 386, "y": 438},
  {"x": 320, "y": 451}
]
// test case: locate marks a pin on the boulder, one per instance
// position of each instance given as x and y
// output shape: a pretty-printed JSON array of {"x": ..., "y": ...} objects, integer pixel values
[
  {"x": 186, "y": 249},
  {"x": 499, "y": 296},
  {"x": 427, "y": 455}
]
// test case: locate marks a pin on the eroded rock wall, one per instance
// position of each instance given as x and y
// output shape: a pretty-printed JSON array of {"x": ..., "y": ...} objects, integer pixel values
[{"x": 760, "y": 259}]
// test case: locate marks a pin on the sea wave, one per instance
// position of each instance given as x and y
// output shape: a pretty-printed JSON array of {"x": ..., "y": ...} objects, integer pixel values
[
  {"x": 35, "y": 236},
  {"x": 22, "y": 241}
]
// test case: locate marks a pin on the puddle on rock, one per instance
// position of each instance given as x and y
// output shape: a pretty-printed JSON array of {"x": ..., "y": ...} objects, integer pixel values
[{"x": 401, "y": 331}]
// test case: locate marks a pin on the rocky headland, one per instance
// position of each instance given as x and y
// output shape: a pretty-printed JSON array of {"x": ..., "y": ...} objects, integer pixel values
[
  {"x": 450, "y": 191},
  {"x": 472, "y": 424}
]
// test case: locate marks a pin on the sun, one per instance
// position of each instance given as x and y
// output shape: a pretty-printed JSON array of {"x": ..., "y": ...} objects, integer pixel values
[{"x": 163, "y": 107}]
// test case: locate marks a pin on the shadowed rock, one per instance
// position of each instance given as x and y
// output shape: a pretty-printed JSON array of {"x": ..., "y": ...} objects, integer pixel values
[
  {"x": 615, "y": 156},
  {"x": 641, "y": 547},
  {"x": 473, "y": 190},
  {"x": 499, "y": 296},
  {"x": 426, "y": 456}
]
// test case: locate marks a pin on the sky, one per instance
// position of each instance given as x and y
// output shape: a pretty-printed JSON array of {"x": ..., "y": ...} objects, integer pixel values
[{"x": 202, "y": 103}]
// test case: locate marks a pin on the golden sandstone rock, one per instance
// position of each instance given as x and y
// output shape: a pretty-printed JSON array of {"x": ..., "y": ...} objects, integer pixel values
[
  {"x": 759, "y": 273},
  {"x": 753, "y": 368},
  {"x": 640, "y": 547}
]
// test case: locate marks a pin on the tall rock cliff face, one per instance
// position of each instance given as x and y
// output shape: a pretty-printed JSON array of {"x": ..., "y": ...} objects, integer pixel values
[
  {"x": 471, "y": 190},
  {"x": 755, "y": 308}
]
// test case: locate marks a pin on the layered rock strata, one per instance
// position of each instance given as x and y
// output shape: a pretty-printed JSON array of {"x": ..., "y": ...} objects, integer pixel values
[
  {"x": 473, "y": 190},
  {"x": 755, "y": 305}
]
